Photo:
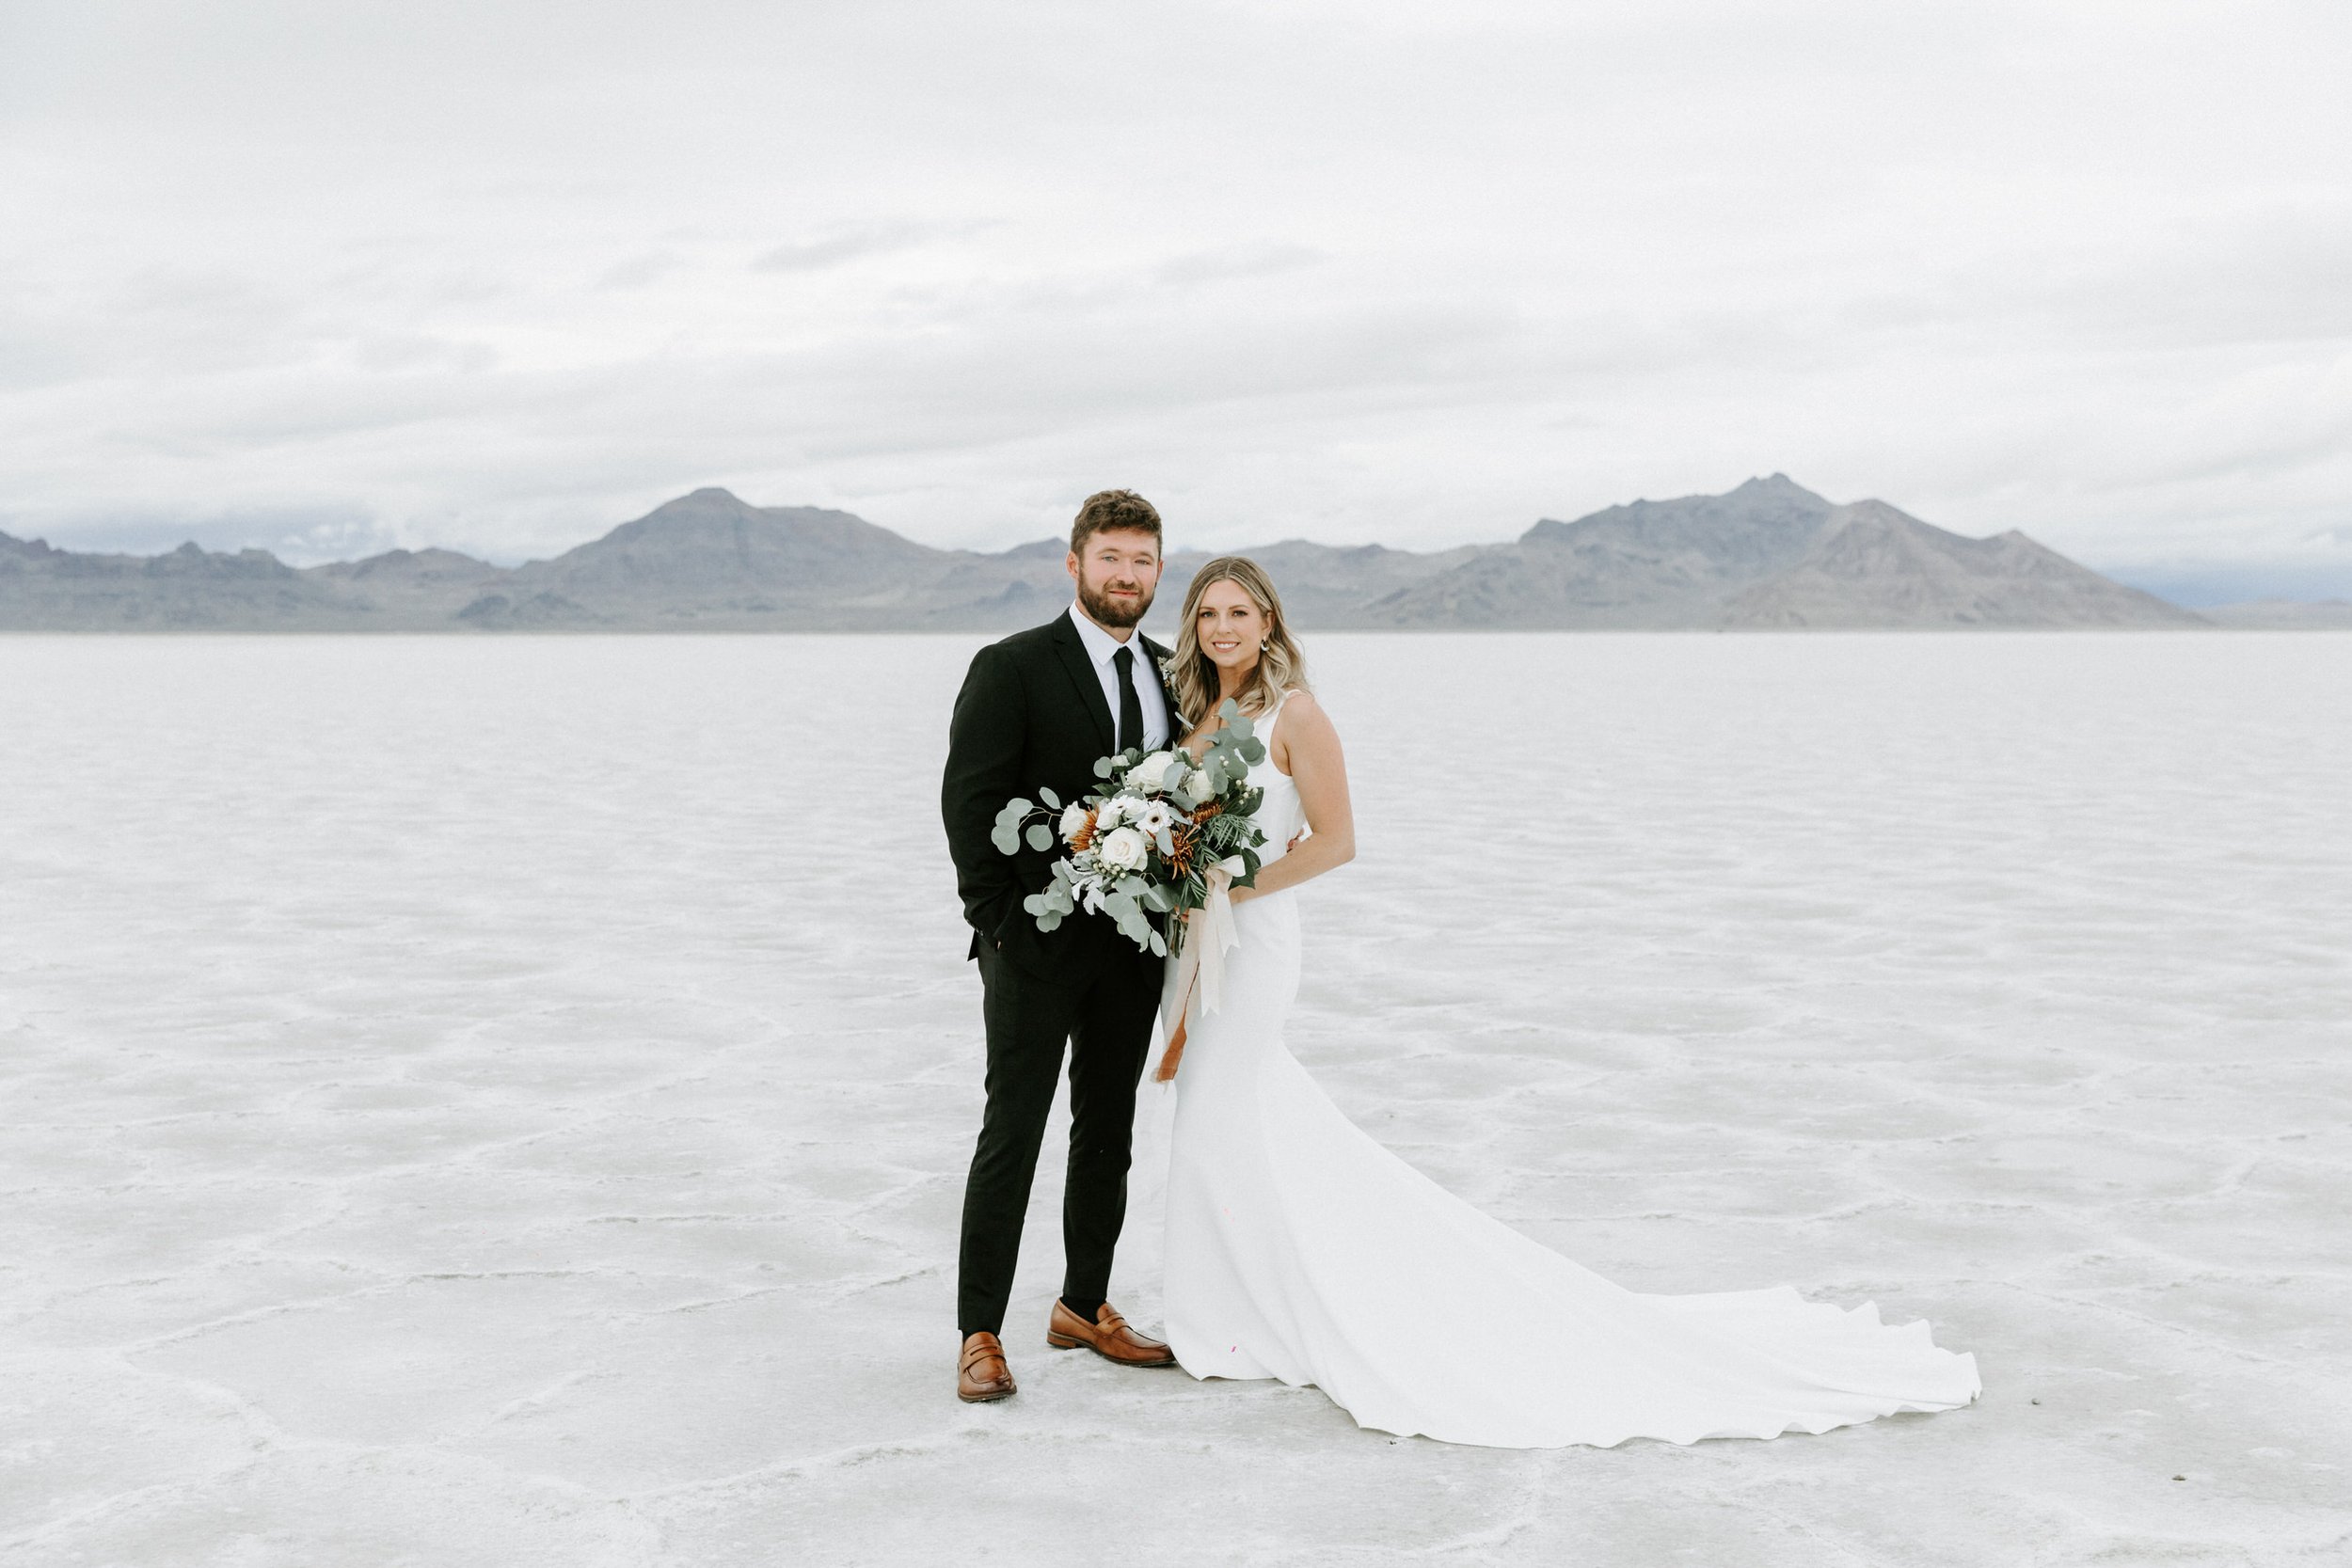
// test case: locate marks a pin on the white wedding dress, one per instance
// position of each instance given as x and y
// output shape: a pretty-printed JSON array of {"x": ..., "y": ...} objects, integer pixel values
[{"x": 1298, "y": 1248}]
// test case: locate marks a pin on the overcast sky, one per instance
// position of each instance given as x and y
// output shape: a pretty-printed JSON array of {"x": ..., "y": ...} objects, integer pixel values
[{"x": 329, "y": 277}]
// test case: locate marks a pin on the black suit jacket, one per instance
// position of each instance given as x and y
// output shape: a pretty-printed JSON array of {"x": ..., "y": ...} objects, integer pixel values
[{"x": 1032, "y": 712}]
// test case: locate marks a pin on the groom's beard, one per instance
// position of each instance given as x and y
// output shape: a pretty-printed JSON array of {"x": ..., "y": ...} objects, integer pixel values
[{"x": 1108, "y": 611}]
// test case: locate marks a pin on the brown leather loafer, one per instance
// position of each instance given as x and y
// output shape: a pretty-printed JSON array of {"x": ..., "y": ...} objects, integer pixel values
[
  {"x": 982, "y": 1375},
  {"x": 1107, "y": 1337}
]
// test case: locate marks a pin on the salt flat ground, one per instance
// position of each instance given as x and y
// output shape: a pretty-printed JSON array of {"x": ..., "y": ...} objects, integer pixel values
[{"x": 505, "y": 1102}]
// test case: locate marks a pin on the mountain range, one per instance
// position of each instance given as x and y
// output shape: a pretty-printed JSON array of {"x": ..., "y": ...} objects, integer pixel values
[{"x": 1768, "y": 555}]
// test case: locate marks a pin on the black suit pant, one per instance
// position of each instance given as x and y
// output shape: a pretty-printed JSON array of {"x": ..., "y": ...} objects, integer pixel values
[{"x": 1105, "y": 1019}]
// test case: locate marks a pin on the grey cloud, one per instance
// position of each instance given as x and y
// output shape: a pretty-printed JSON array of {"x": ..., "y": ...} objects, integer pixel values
[
  {"x": 638, "y": 271},
  {"x": 1258, "y": 261},
  {"x": 831, "y": 251},
  {"x": 1374, "y": 272},
  {"x": 413, "y": 350}
]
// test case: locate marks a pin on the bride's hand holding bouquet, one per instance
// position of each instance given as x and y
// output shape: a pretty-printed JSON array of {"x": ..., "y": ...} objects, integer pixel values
[{"x": 1169, "y": 834}]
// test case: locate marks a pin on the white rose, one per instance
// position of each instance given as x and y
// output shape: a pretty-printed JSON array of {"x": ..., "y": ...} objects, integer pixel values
[
  {"x": 1109, "y": 816},
  {"x": 1197, "y": 784},
  {"x": 1073, "y": 816},
  {"x": 1124, "y": 850},
  {"x": 1153, "y": 771}
]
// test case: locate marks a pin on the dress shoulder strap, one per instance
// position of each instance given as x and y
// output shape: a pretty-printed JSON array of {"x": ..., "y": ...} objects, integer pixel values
[{"x": 1265, "y": 721}]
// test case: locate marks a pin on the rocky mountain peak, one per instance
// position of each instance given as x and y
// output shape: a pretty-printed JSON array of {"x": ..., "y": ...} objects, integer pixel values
[{"x": 1767, "y": 553}]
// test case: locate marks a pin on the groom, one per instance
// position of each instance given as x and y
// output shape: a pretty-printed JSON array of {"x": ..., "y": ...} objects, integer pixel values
[{"x": 1037, "y": 709}]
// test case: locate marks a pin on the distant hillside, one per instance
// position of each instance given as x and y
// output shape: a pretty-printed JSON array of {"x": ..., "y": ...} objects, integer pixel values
[
  {"x": 1768, "y": 554},
  {"x": 1874, "y": 566},
  {"x": 43, "y": 589},
  {"x": 1322, "y": 585},
  {"x": 1645, "y": 564},
  {"x": 2283, "y": 615}
]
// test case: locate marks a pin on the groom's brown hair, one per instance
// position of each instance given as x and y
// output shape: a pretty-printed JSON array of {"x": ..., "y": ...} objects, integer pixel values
[{"x": 1106, "y": 508}]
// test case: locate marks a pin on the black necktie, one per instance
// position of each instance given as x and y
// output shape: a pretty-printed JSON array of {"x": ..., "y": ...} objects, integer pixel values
[{"x": 1130, "y": 706}]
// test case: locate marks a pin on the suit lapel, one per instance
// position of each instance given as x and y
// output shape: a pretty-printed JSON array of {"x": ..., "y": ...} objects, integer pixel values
[{"x": 1080, "y": 670}]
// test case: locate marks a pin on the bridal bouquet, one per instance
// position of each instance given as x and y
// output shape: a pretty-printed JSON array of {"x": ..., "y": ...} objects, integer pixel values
[{"x": 1165, "y": 835}]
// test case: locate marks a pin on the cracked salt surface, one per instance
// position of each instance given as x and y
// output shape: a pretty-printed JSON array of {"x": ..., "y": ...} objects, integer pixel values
[{"x": 505, "y": 1102}]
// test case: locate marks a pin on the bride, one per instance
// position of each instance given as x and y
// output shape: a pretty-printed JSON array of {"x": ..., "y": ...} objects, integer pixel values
[{"x": 1298, "y": 1248}]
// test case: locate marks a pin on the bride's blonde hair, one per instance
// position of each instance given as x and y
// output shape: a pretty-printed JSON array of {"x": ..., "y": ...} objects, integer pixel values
[{"x": 1192, "y": 676}]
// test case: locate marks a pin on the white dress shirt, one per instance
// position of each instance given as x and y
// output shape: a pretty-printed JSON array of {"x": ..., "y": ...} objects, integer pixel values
[{"x": 1099, "y": 646}]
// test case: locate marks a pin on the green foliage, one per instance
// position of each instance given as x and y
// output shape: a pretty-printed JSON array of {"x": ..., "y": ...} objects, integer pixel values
[
  {"x": 1133, "y": 902},
  {"x": 1226, "y": 833},
  {"x": 1234, "y": 749},
  {"x": 1006, "y": 834}
]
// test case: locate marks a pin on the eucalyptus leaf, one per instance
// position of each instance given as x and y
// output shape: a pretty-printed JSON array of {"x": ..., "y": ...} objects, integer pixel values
[
  {"x": 1049, "y": 796},
  {"x": 1102, "y": 767},
  {"x": 1004, "y": 841},
  {"x": 1048, "y": 922},
  {"x": 1159, "y": 946},
  {"x": 1041, "y": 836}
]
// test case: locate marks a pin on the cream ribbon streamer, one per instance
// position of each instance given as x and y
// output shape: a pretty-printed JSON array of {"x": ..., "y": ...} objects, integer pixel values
[{"x": 1209, "y": 933}]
